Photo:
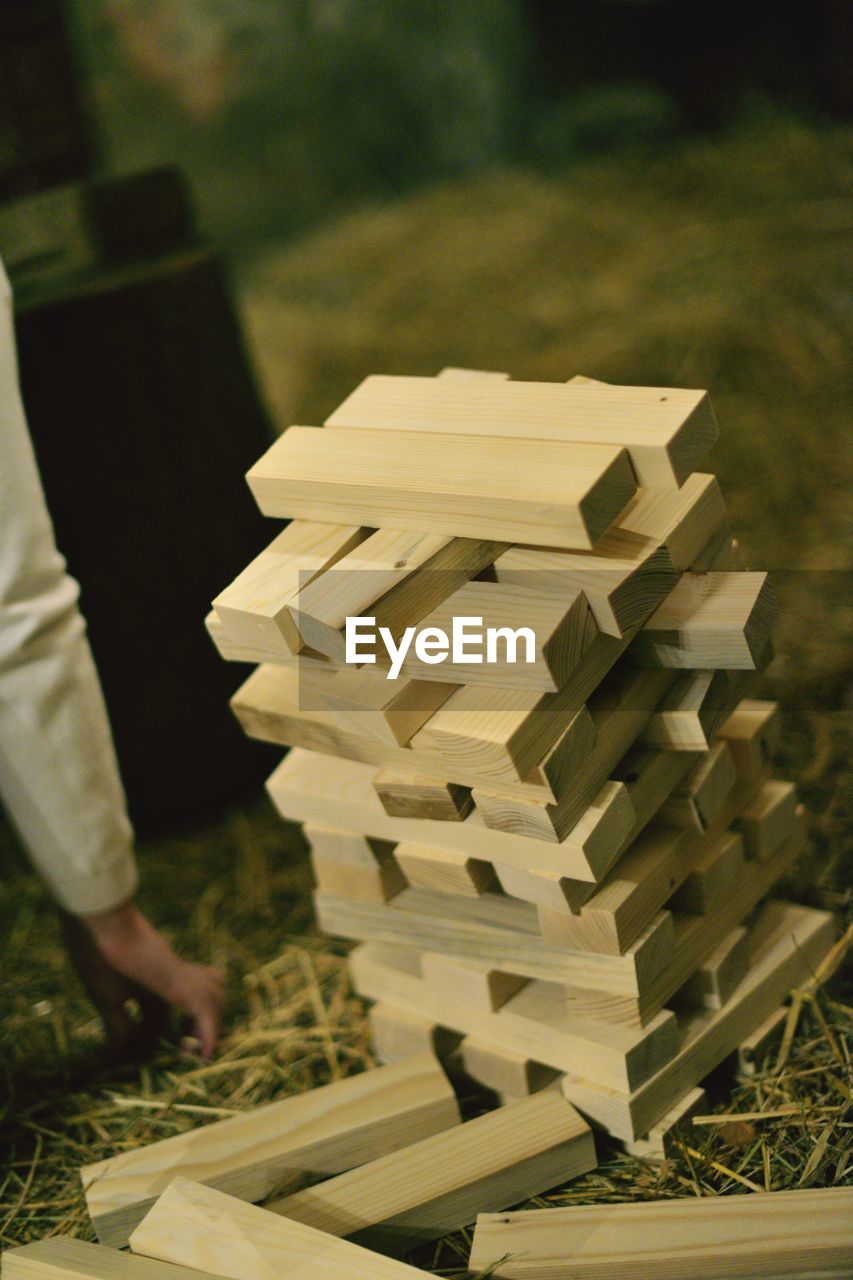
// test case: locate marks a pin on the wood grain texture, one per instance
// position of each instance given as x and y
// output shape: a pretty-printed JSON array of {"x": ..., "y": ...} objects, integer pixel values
[
  {"x": 322, "y": 1132},
  {"x": 709, "y": 620},
  {"x": 534, "y": 1016},
  {"x": 666, "y": 430},
  {"x": 307, "y": 787},
  {"x": 441, "y": 1183},
  {"x": 786, "y": 944},
  {"x": 63, "y": 1258},
  {"x": 786, "y": 1235},
  {"x": 253, "y": 609},
  {"x": 410, "y": 795},
  {"x": 259, "y": 651},
  {"x": 194, "y": 1225},
  {"x": 539, "y": 491}
]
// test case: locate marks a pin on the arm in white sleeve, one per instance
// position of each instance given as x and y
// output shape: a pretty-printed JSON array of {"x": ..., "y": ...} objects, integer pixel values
[{"x": 59, "y": 778}]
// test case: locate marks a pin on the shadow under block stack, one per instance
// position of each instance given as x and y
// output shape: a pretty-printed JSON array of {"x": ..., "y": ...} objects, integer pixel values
[{"x": 556, "y": 870}]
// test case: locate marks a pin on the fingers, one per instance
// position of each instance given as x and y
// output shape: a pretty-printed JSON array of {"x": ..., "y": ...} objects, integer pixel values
[{"x": 204, "y": 998}]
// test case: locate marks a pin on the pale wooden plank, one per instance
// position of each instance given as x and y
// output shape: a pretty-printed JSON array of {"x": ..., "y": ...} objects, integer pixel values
[
  {"x": 666, "y": 430},
  {"x": 64, "y": 1258},
  {"x": 379, "y": 883},
  {"x": 719, "y": 974},
  {"x": 403, "y": 1033},
  {"x": 709, "y": 620},
  {"x": 409, "y": 795},
  {"x": 660, "y": 1143},
  {"x": 540, "y": 491},
  {"x": 507, "y": 1074},
  {"x": 695, "y": 707},
  {"x": 787, "y": 1235},
  {"x": 443, "y": 871},
  {"x": 253, "y": 608},
  {"x": 440, "y": 1184},
  {"x": 786, "y": 945},
  {"x": 322, "y": 1132},
  {"x": 684, "y": 520},
  {"x": 389, "y": 710},
  {"x": 349, "y": 848},
  {"x": 195, "y": 1225},
  {"x": 471, "y": 981},
  {"x": 258, "y": 651},
  {"x": 752, "y": 732}
]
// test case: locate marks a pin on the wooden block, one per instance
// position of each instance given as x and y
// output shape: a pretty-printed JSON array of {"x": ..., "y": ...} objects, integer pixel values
[
  {"x": 408, "y": 795},
  {"x": 388, "y": 710},
  {"x": 684, "y": 520},
  {"x": 379, "y": 883},
  {"x": 710, "y": 620},
  {"x": 694, "y": 708},
  {"x": 438, "y": 1184},
  {"x": 623, "y": 579},
  {"x": 650, "y": 775},
  {"x": 471, "y": 981},
  {"x": 318, "y": 1133},
  {"x": 306, "y": 787},
  {"x": 695, "y": 937},
  {"x": 699, "y": 798},
  {"x": 457, "y": 374},
  {"x": 257, "y": 651},
  {"x": 619, "y": 709},
  {"x": 197, "y": 1226},
  {"x": 402, "y": 1033},
  {"x": 604, "y": 829},
  {"x": 660, "y": 1142},
  {"x": 63, "y": 1258},
  {"x": 533, "y": 1019},
  {"x": 768, "y": 818},
  {"x": 395, "y": 576},
  {"x": 786, "y": 1235},
  {"x": 579, "y": 933},
  {"x": 719, "y": 973},
  {"x": 504, "y": 1072},
  {"x": 666, "y": 430},
  {"x": 539, "y": 491},
  {"x": 752, "y": 732},
  {"x": 540, "y": 640},
  {"x": 714, "y": 877},
  {"x": 443, "y": 871},
  {"x": 786, "y": 945},
  {"x": 346, "y": 847},
  {"x": 756, "y": 1046},
  {"x": 253, "y": 609}
]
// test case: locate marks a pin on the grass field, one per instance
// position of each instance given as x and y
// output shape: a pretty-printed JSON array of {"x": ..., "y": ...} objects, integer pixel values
[{"x": 719, "y": 264}]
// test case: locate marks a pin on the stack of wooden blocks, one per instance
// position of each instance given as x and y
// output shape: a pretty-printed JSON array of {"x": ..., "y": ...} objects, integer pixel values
[{"x": 552, "y": 867}]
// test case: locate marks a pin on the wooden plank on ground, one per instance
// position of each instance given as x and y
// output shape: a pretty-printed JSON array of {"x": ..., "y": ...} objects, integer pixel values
[
  {"x": 536, "y": 491},
  {"x": 194, "y": 1225},
  {"x": 410, "y": 795},
  {"x": 666, "y": 430},
  {"x": 709, "y": 621},
  {"x": 64, "y": 1258},
  {"x": 785, "y": 1235},
  {"x": 438, "y": 1184},
  {"x": 253, "y": 609},
  {"x": 786, "y": 945},
  {"x": 322, "y": 1132}
]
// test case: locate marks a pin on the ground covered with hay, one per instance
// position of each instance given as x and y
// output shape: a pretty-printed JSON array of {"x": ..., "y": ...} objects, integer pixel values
[{"x": 719, "y": 266}]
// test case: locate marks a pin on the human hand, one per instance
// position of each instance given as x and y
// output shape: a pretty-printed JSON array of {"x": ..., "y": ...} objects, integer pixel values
[{"x": 120, "y": 955}]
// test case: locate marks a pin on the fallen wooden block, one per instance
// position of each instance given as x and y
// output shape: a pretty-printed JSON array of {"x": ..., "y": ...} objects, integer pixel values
[
  {"x": 714, "y": 877},
  {"x": 395, "y": 576},
  {"x": 785, "y": 1235},
  {"x": 660, "y": 1143},
  {"x": 253, "y": 609},
  {"x": 442, "y": 871},
  {"x": 534, "y": 1016},
  {"x": 63, "y": 1258},
  {"x": 503, "y": 1072},
  {"x": 767, "y": 819},
  {"x": 402, "y": 1033},
  {"x": 409, "y": 795},
  {"x": 440, "y": 1184},
  {"x": 196, "y": 1226},
  {"x": 538, "y": 637},
  {"x": 699, "y": 798},
  {"x": 471, "y": 981},
  {"x": 623, "y": 579},
  {"x": 533, "y": 491},
  {"x": 322, "y": 1132},
  {"x": 389, "y": 710},
  {"x": 752, "y": 732},
  {"x": 710, "y": 621},
  {"x": 755, "y": 1047},
  {"x": 719, "y": 973},
  {"x": 786, "y": 944},
  {"x": 666, "y": 430}
]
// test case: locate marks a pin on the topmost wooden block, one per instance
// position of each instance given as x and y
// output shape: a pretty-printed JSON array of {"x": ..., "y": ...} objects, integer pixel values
[{"x": 666, "y": 430}]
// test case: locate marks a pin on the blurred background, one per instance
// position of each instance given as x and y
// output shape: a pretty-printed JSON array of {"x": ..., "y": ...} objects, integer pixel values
[{"x": 219, "y": 215}]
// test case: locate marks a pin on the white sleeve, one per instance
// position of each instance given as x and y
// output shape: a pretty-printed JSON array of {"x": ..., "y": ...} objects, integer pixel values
[{"x": 59, "y": 778}]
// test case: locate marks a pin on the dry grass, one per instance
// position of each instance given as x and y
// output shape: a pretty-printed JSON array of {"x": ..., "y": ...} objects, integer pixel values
[{"x": 718, "y": 267}]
